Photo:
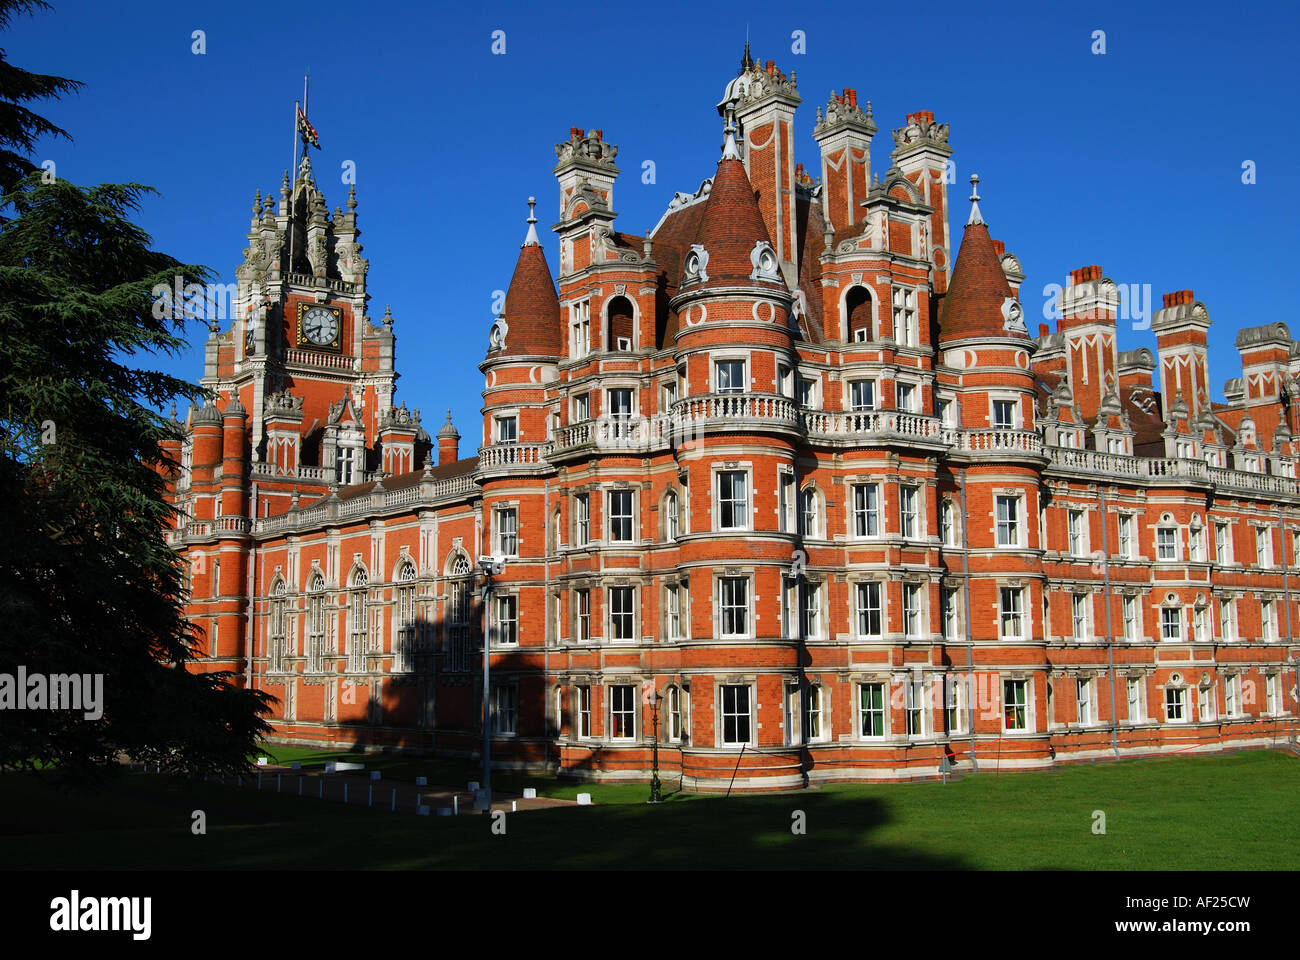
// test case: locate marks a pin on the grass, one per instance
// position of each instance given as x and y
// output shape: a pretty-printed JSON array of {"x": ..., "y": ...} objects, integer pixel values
[{"x": 1234, "y": 812}]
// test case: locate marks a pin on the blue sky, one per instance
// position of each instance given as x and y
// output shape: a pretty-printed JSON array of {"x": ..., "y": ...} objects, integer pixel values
[{"x": 1131, "y": 159}]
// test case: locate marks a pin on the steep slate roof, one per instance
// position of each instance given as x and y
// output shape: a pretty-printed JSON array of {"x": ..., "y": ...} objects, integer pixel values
[
  {"x": 532, "y": 309},
  {"x": 972, "y": 306},
  {"x": 730, "y": 226}
]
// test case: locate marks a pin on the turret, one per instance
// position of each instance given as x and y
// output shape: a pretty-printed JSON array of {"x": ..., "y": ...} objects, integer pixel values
[{"x": 448, "y": 442}]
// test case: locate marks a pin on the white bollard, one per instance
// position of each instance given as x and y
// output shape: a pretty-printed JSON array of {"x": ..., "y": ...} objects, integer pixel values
[
  {"x": 455, "y": 806},
  {"x": 370, "y": 796},
  {"x": 345, "y": 793},
  {"x": 514, "y": 806},
  {"x": 321, "y": 782}
]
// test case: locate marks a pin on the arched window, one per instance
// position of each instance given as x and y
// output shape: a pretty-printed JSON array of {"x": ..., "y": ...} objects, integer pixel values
[
  {"x": 276, "y": 632},
  {"x": 948, "y": 522},
  {"x": 404, "y": 617},
  {"x": 619, "y": 328},
  {"x": 358, "y": 619},
  {"x": 809, "y": 520},
  {"x": 674, "y": 720},
  {"x": 858, "y": 315},
  {"x": 316, "y": 623},
  {"x": 672, "y": 516},
  {"x": 457, "y": 614}
]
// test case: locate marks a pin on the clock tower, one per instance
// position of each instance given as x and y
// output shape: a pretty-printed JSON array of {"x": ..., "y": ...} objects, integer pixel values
[{"x": 302, "y": 341}]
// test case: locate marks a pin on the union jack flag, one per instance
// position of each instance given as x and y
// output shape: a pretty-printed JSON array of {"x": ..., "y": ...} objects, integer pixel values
[{"x": 305, "y": 128}]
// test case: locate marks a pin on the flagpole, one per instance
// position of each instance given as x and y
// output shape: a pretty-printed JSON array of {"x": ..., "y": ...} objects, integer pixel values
[{"x": 293, "y": 183}]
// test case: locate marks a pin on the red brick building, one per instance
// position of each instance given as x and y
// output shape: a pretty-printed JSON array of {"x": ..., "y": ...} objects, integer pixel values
[{"x": 790, "y": 460}]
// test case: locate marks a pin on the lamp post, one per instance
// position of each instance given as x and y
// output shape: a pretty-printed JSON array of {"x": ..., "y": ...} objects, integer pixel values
[
  {"x": 655, "y": 795},
  {"x": 491, "y": 567}
]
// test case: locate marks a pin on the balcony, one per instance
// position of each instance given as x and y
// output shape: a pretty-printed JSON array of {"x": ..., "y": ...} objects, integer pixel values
[
  {"x": 866, "y": 428},
  {"x": 634, "y": 435},
  {"x": 735, "y": 412},
  {"x": 1166, "y": 470},
  {"x": 506, "y": 458},
  {"x": 998, "y": 443}
]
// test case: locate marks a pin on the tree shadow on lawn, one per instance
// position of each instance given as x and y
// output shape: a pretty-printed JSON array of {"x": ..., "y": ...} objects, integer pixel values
[
  {"x": 708, "y": 833},
  {"x": 145, "y": 823}
]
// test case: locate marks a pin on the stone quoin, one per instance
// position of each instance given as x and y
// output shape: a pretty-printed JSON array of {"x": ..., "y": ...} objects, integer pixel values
[{"x": 793, "y": 458}]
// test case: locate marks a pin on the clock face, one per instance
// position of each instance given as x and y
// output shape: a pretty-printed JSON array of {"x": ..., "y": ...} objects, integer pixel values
[{"x": 318, "y": 326}]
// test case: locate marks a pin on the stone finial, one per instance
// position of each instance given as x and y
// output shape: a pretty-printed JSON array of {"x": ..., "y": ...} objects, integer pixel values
[
  {"x": 530, "y": 239},
  {"x": 975, "y": 215},
  {"x": 352, "y": 197},
  {"x": 387, "y": 318},
  {"x": 257, "y": 203}
]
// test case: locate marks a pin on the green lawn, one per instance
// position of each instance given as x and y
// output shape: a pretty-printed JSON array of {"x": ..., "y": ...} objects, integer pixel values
[{"x": 1230, "y": 812}]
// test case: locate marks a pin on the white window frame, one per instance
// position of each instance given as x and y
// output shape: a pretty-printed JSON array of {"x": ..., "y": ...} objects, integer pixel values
[
  {"x": 1135, "y": 697},
  {"x": 910, "y": 511},
  {"x": 621, "y": 601},
  {"x": 725, "y": 711},
  {"x": 856, "y": 404},
  {"x": 1179, "y": 699},
  {"x": 1081, "y": 616},
  {"x": 866, "y": 511},
  {"x": 864, "y": 592},
  {"x": 1166, "y": 543},
  {"x": 725, "y": 591},
  {"x": 1085, "y": 701},
  {"x": 1011, "y": 613},
  {"x": 1008, "y": 530},
  {"x": 1124, "y": 530},
  {"x": 1171, "y": 623},
  {"x": 611, "y": 497},
  {"x": 581, "y": 519},
  {"x": 505, "y": 530},
  {"x": 914, "y": 610},
  {"x": 741, "y": 508},
  {"x": 626, "y": 695},
  {"x": 1077, "y": 531},
  {"x": 1025, "y": 702},
  {"x": 878, "y": 706},
  {"x": 1131, "y": 611},
  {"x": 715, "y": 372},
  {"x": 1227, "y": 619},
  {"x": 1222, "y": 543}
]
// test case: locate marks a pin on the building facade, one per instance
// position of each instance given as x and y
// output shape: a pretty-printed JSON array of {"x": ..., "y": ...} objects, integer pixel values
[{"x": 785, "y": 484}]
